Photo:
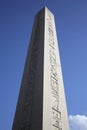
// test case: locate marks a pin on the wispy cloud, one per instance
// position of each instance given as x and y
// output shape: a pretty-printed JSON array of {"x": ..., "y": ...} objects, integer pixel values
[{"x": 78, "y": 122}]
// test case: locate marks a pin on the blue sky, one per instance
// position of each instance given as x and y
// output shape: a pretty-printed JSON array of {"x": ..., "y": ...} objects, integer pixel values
[{"x": 16, "y": 20}]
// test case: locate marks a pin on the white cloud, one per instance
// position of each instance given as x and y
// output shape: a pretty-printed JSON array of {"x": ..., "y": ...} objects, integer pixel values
[{"x": 78, "y": 122}]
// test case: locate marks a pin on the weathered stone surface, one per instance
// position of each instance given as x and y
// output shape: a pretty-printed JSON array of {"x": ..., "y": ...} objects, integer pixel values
[{"x": 41, "y": 103}]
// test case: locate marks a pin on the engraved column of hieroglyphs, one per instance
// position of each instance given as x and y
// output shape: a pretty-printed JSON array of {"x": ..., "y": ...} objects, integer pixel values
[{"x": 56, "y": 113}]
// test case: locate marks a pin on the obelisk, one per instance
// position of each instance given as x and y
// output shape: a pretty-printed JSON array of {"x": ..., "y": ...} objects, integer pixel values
[{"x": 41, "y": 102}]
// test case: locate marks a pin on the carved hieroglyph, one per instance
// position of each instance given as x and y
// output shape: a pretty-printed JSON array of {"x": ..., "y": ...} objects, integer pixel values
[{"x": 54, "y": 106}]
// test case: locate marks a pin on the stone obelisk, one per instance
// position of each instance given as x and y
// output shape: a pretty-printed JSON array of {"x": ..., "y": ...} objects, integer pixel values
[{"x": 41, "y": 102}]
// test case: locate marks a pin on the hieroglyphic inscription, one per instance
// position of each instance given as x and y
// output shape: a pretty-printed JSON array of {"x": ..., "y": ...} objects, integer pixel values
[{"x": 56, "y": 113}]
